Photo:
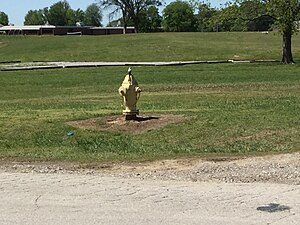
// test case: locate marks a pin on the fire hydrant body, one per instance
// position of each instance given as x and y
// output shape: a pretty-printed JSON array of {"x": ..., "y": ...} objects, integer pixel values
[{"x": 130, "y": 92}]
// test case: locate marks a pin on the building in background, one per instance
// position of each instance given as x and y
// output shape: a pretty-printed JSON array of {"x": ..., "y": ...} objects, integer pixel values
[{"x": 62, "y": 30}]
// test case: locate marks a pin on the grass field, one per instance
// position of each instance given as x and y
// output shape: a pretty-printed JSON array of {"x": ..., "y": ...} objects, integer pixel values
[
  {"x": 145, "y": 47},
  {"x": 230, "y": 108}
]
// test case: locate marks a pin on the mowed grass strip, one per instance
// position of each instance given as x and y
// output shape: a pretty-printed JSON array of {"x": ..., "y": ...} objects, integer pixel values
[
  {"x": 230, "y": 109},
  {"x": 144, "y": 47}
]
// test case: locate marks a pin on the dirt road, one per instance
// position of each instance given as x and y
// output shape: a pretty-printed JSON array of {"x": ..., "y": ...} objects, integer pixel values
[{"x": 39, "y": 194}]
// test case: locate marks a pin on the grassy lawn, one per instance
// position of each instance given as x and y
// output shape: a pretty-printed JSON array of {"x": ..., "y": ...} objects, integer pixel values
[
  {"x": 144, "y": 47},
  {"x": 230, "y": 108}
]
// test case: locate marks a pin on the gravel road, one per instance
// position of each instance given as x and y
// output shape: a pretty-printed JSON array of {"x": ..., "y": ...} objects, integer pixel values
[{"x": 257, "y": 190}]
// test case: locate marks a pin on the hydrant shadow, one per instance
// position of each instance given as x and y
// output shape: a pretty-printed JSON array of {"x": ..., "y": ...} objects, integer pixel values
[{"x": 141, "y": 119}]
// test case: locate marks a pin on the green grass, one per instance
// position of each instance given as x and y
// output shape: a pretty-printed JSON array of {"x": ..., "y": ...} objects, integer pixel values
[
  {"x": 231, "y": 109},
  {"x": 144, "y": 47}
]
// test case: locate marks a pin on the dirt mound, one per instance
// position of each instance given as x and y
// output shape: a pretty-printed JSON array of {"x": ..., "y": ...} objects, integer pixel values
[{"x": 118, "y": 123}]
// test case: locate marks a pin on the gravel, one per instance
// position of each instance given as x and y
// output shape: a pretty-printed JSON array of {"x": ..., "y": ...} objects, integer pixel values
[{"x": 283, "y": 168}]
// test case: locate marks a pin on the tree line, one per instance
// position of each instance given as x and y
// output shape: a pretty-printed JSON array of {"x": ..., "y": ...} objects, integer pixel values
[
  {"x": 61, "y": 14},
  {"x": 178, "y": 16},
  {"x": 192, "y": 15}
]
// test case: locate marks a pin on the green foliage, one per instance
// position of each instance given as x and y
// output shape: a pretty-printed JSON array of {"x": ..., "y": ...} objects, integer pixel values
[
  {"x": 204, "y": 18},
  {"x": 59, "y": 13},
  {"x": 261, "y": 23},
  {"x": 3, "y": 18},
  {"x": 286, "y": 13},
  {"x": 229, "y": 20},
  {"x": 248, "y": 15},
  {"x": 178, "y": 16},
  {"x": 241, "y": 15},
  {"x": 251, "y": 9},
  {"x": 253, "y": 12},
  {"x": 35, "y": 17},
  {"x": 244, "y": 15},
  {"x": 93, "y": 15},
  {"x": 132, "y": 10},
  {"x": 150, "y": 19},
  {"x": 75, "y": 16}
]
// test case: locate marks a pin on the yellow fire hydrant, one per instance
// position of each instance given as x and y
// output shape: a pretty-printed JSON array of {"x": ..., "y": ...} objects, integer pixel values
[{"x": 130, "y": 92}]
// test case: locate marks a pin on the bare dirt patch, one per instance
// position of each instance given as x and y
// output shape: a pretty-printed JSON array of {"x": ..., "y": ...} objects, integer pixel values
[
  {"x": 118, "y": 123},
  {"x": 281, "y": 168}
]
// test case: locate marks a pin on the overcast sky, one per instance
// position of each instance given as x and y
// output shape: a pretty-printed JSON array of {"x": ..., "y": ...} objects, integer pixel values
[{"x": 17, "y": 9}]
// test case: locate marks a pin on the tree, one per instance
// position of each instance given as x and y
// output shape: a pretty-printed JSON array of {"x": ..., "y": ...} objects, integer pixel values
[
  {"x": 150, "y": 19},
  {"x": 254, "y": 13},
  {"x": 178, "y": 16},
  {"x": 74, "y": 16},
  {"x": 3, "y": 19},
  {"x": 131, "y": 9},
  {"x": 137, "y": 7},
  {"x": 229, "y": 18},
  {"x": 79, "y": 15},
  {"x": 93, "y": 15},
  {"x": 35, "y": 17},
  {"x": 205, "y": 14},
  {"x": 243, "y": 15},
  {"x": 285, "y": 13},
  {"x": 261, "y": 23},
  {"x": 118, "y": 5},
  {"x": 59, "y": 13}
]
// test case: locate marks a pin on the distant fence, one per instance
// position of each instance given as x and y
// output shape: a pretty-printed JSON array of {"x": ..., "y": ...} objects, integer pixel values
[{"x": 63, "y": 30}]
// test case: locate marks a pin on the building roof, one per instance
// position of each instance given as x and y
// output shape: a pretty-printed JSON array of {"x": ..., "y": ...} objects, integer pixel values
[
  {"x": 38, "y": 27},
  {"x": 110, "y": 28}
]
